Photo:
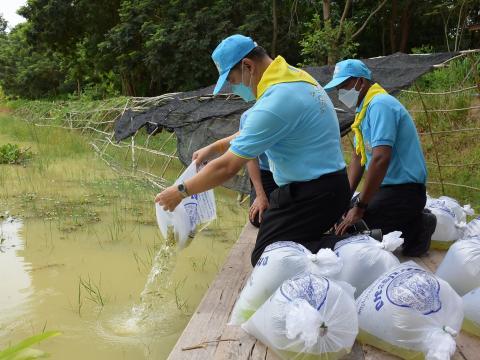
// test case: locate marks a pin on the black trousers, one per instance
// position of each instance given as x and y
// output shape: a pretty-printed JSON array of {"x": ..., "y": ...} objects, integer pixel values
[
  {"x": 268, "y": 186},
  {"x": 303, "y": 212},
  {"x": 398, "y": 207}
]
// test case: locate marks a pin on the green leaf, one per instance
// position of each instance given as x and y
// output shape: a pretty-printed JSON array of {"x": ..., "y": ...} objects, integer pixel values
[{"x": 13, "y": 352}]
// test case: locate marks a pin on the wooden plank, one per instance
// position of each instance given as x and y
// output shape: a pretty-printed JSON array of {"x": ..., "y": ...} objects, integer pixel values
[
  {"x": 469, "y": 346},
  {"x": 356, "y": 353},
  {"x": 433, "y": 259},
  {"x": 372, "y": 353},
  {"x": 209, "y": 321},
  {"x": 215, "y": 340},
  {"x": 247, "y": 348}
]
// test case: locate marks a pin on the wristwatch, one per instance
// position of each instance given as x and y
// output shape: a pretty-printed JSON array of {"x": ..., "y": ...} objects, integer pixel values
[
  {"x": 183, "y": 190},
  {"x": 360, "y": 204}
]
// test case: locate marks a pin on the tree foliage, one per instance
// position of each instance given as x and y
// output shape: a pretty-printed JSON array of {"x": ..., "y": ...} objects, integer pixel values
[{"x": 148, "y": 47}]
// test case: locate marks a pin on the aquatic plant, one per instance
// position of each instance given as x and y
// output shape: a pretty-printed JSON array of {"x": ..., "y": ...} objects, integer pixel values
[{"x": 23, "y": 350}]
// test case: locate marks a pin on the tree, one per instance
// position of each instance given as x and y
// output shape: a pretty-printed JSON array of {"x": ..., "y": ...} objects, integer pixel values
[
  {"x": 334, "y": 37},
  {"x": 25, "y": 72}
]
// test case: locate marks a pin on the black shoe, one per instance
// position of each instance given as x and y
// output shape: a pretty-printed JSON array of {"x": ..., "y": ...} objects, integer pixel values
[
  {"x": 361, "y": 227},
  {"x": 427, "y": 228}
]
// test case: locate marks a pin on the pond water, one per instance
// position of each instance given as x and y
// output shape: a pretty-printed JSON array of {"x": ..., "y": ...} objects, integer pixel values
[{"x": 81, "y": 253}]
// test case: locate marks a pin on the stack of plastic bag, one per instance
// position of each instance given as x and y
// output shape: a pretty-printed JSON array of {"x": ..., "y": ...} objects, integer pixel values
[
  {"x": 189, "y": 216},
  {"x": 308, "y": 317},
  {"x": 471, "y": 308},
  {"x": 365, "y": 259},
  {"x": 451, "y": 220},
  {"x": 461, "y": 265},
  {"x": 410, "y": 312},
  {"x": 280, "y": 261}
]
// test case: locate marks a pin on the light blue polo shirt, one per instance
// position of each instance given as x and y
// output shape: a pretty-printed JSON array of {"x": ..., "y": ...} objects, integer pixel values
[
  {"x": 262, "y": 158},
  {"x": 387, "y": 122},
  {"x": 295, "y": 124}
]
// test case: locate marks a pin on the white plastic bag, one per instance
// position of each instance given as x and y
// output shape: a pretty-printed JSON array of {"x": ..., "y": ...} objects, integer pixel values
[
  {"x": 460, "y": 211},
  {"x": 471, "y": 307},
  {"x": 451, "y": 220},
  {"x": 473, "y": 228},
  {"x": 192, "y": 212},
  {"x": 461, "y": 265},
  {"x": 408, "y": 311},
  {"x": 280, "y": 261},
  {"x": 365, "y": 259},
  {"x": 307, "y": 317}
]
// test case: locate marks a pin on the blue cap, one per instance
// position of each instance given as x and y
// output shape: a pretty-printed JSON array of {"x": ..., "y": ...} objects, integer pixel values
[
  {"x": 346, "y": 69},
  {"x": 228, "y": 53}
]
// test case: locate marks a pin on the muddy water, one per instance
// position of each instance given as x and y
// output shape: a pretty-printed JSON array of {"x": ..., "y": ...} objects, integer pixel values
[{"x": 78, "y": 254}]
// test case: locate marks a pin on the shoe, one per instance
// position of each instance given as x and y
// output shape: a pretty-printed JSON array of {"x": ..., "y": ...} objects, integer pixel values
[
  {"x": 361, "y": 227},
  {"x": 427, "y": 227}
]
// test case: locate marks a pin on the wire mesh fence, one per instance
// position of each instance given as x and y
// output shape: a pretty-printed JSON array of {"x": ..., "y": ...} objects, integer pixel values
[{"x": 446, "y": 113}]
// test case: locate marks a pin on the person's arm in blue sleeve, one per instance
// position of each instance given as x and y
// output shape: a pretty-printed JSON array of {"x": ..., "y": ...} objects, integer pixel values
[
  {"x": 261, "y": 131},
  {"x": 383, "y": 132}
]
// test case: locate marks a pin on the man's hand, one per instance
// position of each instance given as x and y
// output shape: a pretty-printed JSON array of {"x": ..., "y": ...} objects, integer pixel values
[
  {"x": 202, "y": 155},
  {"x": 208, "y": 152},
  {"x": 169, "y": 198},
  {"x": 353, "y": 215},
  {"x": 260, "y": 204}
]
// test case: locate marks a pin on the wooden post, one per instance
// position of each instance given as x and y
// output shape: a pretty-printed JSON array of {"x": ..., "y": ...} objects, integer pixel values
[{"x": 429, "y": 123}]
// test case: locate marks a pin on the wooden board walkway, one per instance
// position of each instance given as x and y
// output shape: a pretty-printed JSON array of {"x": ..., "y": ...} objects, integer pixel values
[{"x": 207, "y": 335}]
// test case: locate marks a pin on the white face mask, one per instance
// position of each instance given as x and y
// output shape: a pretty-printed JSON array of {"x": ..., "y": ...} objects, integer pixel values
[{"x": 349, "y": 97}]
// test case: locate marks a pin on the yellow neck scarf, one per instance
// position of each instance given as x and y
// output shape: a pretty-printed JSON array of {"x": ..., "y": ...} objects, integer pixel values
[
  {"x": 280, "y": 72},
  {"x": 374, "y": 90}
]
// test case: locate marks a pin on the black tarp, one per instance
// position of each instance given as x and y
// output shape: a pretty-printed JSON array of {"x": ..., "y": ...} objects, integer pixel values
[{"x": 199, "y": 119}]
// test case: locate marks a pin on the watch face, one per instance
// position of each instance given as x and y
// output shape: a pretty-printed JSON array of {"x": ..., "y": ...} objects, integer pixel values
[{"x": 181, "y": 188}]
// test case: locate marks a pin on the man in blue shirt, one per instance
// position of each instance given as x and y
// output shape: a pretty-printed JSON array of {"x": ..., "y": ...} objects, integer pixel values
[
  {"x": 293, "y": 121},
  {"x": 387, "y": 146}
]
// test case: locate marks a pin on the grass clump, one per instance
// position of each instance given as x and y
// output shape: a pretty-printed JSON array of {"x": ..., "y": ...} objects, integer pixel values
[
  {"x": 23, "y": 350},
  {"x": 14, "y": 154}
]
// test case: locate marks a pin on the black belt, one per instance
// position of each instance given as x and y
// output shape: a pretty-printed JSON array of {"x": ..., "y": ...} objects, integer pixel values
[{"x": 306, "y": 185}]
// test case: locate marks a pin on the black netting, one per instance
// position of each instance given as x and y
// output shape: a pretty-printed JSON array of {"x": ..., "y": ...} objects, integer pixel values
[{"x": 199, "y": 119}]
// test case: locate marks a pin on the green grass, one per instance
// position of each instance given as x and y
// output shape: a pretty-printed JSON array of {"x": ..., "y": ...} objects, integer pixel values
[
  {"x": 23, "y": 350},
  {"x": 13, "y": 154},
  {"x": 453, "y": 148}
]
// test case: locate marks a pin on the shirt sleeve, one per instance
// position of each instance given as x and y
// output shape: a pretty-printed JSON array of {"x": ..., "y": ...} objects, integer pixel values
[
  {"x": 383, "y": 124},
  {"x": 260, "y": 131}
]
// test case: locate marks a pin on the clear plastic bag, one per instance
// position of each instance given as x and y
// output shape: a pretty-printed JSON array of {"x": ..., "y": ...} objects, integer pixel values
[
  {"x": 471, "y": 307},
  {"x": 307, "y": 317},
  {"x": 280, "y": 261},
  {"x": 189, "y": 216},
  {"x": 408, "y": 311},
  {"x": 365, "y": 259},
  {"x": 451, "y": 220},
  {"x": 461, "y": 265}
]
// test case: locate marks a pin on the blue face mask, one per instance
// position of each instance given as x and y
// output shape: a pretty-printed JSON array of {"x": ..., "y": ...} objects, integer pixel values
[{"x": 245, "y": 92}]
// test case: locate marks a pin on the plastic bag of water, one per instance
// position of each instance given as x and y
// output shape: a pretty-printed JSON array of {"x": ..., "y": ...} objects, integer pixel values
[
  {"x": 410, "y": 312},
  {"x": 365, "y": 259},
  {"x": 280, "y": 261},
  {"x": 471, "y": 308},
  {"x": 451, "y": 220},
  {"x": 193, "y": 212},
  {"x": 307, "y": 317},
  {"x": 461, "y": 265}
]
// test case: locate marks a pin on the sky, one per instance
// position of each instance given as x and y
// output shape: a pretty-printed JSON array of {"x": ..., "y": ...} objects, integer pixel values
[{"x": 8, "y": 10}]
